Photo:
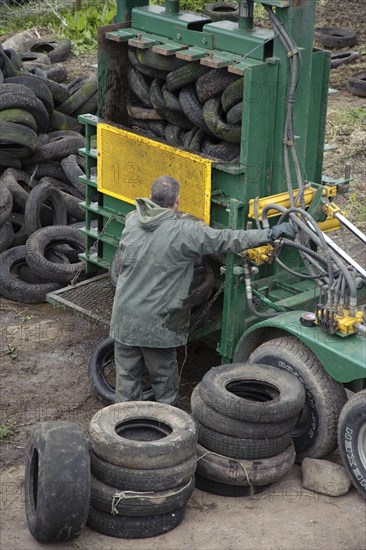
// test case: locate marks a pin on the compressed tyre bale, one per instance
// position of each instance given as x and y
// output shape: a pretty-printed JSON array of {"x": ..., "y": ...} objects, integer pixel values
[
  {"x": 171, "y": 116},
  {"x": 192, "y": 107},
  {"x": 232, "y": 95}
]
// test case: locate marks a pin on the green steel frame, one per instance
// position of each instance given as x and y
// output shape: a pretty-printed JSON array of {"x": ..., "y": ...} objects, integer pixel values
[{"x": 260, "y": 56}]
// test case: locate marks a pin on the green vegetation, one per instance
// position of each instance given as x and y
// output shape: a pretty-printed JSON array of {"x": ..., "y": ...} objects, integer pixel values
[
  {"x": 80, "y": 26},
  {"x": 6, "y": 432}
]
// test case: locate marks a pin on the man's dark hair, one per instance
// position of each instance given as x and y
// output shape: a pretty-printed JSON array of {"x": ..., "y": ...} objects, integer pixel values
[{"x": 165, "y": 191}]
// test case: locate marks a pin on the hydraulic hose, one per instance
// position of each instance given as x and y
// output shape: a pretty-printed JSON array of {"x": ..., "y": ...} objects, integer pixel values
[{"x": 249, "y": 293}]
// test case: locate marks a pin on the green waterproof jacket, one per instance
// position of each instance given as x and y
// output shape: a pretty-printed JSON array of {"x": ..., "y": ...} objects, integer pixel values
[{"x": 158, "y": 248}]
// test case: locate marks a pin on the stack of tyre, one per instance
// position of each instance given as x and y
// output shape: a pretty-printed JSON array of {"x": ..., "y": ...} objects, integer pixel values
[
  {"x": 185, "y": 104},
  {"x": 143, "y": 459},
  {"x": 245, "y": 414},
  {"x": 39, "y": 171}
]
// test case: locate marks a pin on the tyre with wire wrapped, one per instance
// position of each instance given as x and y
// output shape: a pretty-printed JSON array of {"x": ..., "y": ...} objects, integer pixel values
[{"x": 143, "y": 459}]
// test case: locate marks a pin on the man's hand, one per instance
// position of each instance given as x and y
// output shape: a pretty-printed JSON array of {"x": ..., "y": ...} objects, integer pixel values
[{"x": 282, "y": 230}]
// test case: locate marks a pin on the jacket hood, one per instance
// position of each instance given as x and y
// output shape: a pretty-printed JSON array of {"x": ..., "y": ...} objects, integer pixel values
[{"x": 151, "y": 215}]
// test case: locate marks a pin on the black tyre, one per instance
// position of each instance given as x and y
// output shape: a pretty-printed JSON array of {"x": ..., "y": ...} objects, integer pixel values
[
  {"x": 357, "y": 84},
  {"x": 244, "y": 472},
  {"x": 352, "y": 440},
  {"x": 157, "y": 61},
  {"x": 89, "y": 107},
  {"x": 27, "y": 101},
  {"x": 170, "y": 115},
  {"x": 134, "y": 527},
  {"x": 20, "y": 234},
  {"x": 37, "y": 245},
  {"x": 232, "y": 95},
  {"x": 222, "y": 151},
  {"x": 213, "y": 83},
  {"x": 74, "y": 167},
  {"x": 61, "y": 186},
  {"x": 185, "y": 75},
  {"x": 56, "y": 50},
  {"x": 226, "y": 490},
  {"x": 17, "y": 182},
  {"x": 77, "y": 99},
  {"x": 38, "y": 87},
  {"x": 223, "y": 424},
  {"x": 192, "y": 107},
  {"x": 236, "y": 447},
  {"x": 77, "y": 83},
  {"x": 51, "y": 169},
  {"x": 44, "y": 194},
  {"x": 144, "y": 69},
  {"x": 74, "y": 211},
  {"x": 35, "y": 59},
  {"x": 213, "y": 118},
  {"x": 315, "y": 434},
  {"x": 57, "y": 150},
  {"x": 342, "y": 58},
  {"x": 12, "y": 287},
  {"x": 139, "y": 86},
  {"x": 6, "y": 203},
  {"x": 18, "y": 140},
  {"x": 6, "y": 65},
  {"x": 6, "y": 236},
  {"x": 59, "y": 92},
  {"x": 59, "y": 121},
  {"x": 19, "y": 116},
  {"x": 222, "y": 11},
  {"x": 336, "y": 37},
  {"x": 102, "y": 374},
  {"x": 57, "y": 478},
  {"x": 252, "y": 392},
  {"x": 142, "y": 434},
  {"x": 57, "y": 73},
  {"x": 132, "y": 479},
  {"x": 234, "y": 115},
  {"x": 7, "y": 160},
  {"x": 139, "y": 503}
]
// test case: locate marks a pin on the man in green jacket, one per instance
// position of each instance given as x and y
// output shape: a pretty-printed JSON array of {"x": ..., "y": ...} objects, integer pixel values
[{"x": 151, "y": 309}]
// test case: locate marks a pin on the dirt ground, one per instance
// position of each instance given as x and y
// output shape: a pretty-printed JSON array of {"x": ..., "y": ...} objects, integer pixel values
[{"x": 44, "y": 356}]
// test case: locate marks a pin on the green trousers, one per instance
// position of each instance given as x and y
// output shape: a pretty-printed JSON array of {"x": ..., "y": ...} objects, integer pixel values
[{"x": 162, "y": 366}]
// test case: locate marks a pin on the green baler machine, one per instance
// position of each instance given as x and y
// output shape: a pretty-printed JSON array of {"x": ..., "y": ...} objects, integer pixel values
[{"x": 265, "y": 166}]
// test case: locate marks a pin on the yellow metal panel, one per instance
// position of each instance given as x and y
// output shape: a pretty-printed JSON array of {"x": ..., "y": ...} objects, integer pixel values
[{"x": 128, "y": 164}]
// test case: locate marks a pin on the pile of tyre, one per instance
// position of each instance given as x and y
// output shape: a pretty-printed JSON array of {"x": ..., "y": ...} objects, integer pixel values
[
  {"x": 245, "y": 414},
  {"x": 39, "y": 170},
  {"x": 339, "y": 40},
  {"x": 185, "y": 104},
  {"x": 133, "y": 480}
]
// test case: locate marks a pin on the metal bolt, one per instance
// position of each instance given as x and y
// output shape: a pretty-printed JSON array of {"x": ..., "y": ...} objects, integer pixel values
[
  {"x": 179, "y": 36},
  {"x": 254, "y": 270}
]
